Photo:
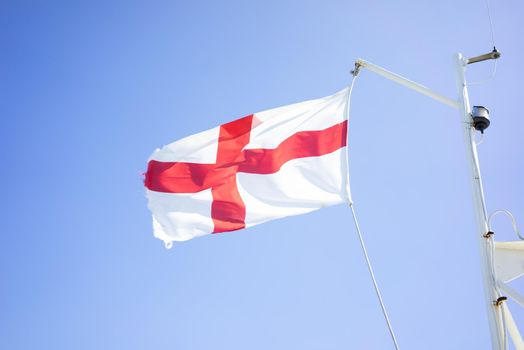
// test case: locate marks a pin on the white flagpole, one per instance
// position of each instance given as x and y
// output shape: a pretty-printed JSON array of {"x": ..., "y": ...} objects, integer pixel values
[{"x": 490, "y": 289}]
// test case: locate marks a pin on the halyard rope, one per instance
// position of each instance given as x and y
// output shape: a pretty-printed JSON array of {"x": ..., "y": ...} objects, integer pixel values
[
  {"x": 375, "y": 285},
  {"x": 361, "y": 239}
]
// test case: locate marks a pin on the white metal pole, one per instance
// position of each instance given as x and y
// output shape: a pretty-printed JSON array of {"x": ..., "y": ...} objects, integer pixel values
[
  {"x": 490, "y": 290},
  {"x": 407, "y": 83}
]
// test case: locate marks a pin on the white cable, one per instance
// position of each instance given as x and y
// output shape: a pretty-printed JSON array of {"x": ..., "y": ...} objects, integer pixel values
[
  {"x": 491, "y": 24},
  {"x": 373, "y": 277},
  {"x": 493, "y": 73},
  {"x": 513, "y": 221},
  {"x": 491, "y": 77},
  {"x": 479, "y": 142}
]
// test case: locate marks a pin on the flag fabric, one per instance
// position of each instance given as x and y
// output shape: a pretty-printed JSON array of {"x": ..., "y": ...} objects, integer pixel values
[{"x": 284, "y": 161}]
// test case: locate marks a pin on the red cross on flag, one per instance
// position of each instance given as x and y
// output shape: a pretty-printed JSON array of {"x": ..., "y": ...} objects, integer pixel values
[{"x": 285, "y": 161}]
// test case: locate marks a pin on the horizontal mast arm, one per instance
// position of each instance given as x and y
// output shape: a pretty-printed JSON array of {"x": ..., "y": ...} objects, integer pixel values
[{"x": 406, "y": 82}]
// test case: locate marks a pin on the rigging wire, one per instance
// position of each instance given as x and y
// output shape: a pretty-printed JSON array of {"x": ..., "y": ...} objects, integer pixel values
[
  {"x": 491, "y": 24},
  {"x": 491, "y": 77},
  {"x": 479, "y": 142},
  {"x": 375, "y": 285},
  {"x": 492, "y": 33}
]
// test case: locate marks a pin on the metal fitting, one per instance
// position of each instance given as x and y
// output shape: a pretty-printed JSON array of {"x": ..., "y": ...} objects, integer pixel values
[{"x": 500, "y": 300}]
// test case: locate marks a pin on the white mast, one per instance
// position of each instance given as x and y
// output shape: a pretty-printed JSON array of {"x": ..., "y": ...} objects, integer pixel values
[
  {"x": 493, "y": 299},
  {"x": 490, "y": 289}
]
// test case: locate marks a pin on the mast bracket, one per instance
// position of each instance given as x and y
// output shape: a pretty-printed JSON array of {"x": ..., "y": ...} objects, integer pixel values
[
  {"x": 500, "y": 300},
  {"x": 493, "y": 55},
  {"x": 488, "y": 234}
]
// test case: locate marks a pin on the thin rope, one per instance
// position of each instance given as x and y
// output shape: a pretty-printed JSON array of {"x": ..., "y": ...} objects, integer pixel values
[
  {"x": 491, "y": 24},
  {"x": 368, "y": 262},
  {"x": 479, "y": 142},
  {"x": 491, "y": 77},
  {"x": 492, "y": 32}
]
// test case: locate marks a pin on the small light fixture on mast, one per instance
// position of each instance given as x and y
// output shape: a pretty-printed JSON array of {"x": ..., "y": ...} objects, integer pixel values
[{"x": 480, "y": 115}]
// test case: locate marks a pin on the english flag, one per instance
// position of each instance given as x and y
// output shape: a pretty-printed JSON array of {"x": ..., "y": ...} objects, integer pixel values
[{"x": 285, "y": 161}]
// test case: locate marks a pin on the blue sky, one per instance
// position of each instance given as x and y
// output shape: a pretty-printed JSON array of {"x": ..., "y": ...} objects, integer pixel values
[{"x": 89, "y": 89}]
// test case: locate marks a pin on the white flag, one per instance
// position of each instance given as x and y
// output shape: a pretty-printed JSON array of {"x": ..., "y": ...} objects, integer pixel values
[{"x": 285, "y": 161}]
